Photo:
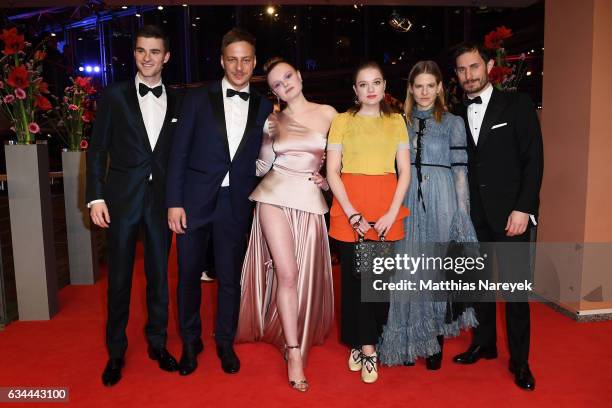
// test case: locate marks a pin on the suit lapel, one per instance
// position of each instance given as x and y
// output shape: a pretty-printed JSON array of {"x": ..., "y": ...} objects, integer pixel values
[
  {"x": 254, "y": 102},
  {"x": 468, "y": 129},
  {"x": 170, "y": 102},
  {"x": 494, "y": 109},
  {"x": 136, "y": 113},
  {"x": 216, "y": 103}
]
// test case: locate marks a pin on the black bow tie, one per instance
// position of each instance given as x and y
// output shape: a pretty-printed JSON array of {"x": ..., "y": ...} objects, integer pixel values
[
  {"x": 467, "y": 101},
  {"x": 143, "y": 90},
  {"x": 232, "y": 92}
]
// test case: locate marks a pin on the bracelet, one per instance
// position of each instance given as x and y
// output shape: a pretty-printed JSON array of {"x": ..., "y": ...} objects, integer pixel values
[{"x": 355, "y": 224}]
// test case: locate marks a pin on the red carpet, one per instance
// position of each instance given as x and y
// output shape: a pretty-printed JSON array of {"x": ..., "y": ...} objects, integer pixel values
[{"x": 572, "y": 363}]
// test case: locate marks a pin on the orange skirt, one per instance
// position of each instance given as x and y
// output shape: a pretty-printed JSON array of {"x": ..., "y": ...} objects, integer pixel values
[{"x": 371, "y": 196}]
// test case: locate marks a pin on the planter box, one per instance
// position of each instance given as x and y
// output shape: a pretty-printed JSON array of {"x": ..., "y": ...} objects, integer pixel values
[
  {"x": 31, "y": 214},
  {"x": 81, "y": 245}
]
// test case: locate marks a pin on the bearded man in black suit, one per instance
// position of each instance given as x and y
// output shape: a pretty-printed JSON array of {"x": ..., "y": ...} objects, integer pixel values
[{"x": 505, "y": 166}]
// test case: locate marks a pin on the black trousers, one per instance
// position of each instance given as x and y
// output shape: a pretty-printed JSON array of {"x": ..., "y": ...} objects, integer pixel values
[
  {"x": 513, "y": 264},
  {"x": 229, "y": 243},
  {"x": 122, "y": 235},
  {"x": 361, "y": 322}
]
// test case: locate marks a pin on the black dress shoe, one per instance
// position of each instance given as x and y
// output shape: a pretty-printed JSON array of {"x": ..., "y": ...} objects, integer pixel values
[
  {"x": 164, "y": 358},
  {"x": 475, "y": 353},
  {"x": 229, "y": 360},
  {"x": 112, "y": 371},
  {"x": 523, "y": 377},
  {"x": 434, "y": 362},
  {"x": 189, "y": 358}
]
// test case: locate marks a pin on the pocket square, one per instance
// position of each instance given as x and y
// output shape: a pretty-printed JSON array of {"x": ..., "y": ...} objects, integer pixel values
[
  {"x": 499, "y": 125},
  {"x": 174, "y": 120}
]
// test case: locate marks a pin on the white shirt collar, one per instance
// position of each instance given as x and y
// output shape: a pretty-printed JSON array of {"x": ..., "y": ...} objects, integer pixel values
[
  {"x": 140, "y": 81},
  {"x": 485, "y": 94},
  {"x": 225, "y": 85}
]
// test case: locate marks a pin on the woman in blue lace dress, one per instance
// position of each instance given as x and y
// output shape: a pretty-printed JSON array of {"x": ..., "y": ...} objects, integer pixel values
[{"x": 438, "y": 200}]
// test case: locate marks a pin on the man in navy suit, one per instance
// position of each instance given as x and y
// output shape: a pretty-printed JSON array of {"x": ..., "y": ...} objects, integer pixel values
[
  {"x": 210, "y": 176},
  {"x": 133, "y": 129}
]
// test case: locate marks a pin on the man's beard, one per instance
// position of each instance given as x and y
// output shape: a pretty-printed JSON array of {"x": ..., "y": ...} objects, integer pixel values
[{"x": 483, "y": 83}]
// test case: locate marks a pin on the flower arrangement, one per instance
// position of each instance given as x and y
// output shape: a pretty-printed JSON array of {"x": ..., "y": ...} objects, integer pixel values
[
  {"x": 74, "y": 114},
  {"x": 22, "y": 90},
  {"x": 504, "y": 75}
]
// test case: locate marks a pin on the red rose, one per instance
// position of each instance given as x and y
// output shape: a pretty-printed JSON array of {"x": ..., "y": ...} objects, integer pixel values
[
  {"x": 504, "y": 32},
  {"x": 43, "y": 87},
  {"x": 73, "y": 107},
  {"x": 497, "y": 74},
  {"x": 495, "y": 39},
  {"x": 39, "y": 55},
  {"x": 492, "y": 40},
  {"x": 87, "y": 116},
  {"x": 18, "y": 77},
  {"x": 82, "y": 82},
  {"x": 8, "y": 34},
  {"x": 43, "y": 103},
  {"x": 83, "y": 145},
  {"x": 13, "y": 42}
]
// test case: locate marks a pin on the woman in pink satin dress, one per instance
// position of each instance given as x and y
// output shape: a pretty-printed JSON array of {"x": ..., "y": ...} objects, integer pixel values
[{"x": 287, "y": 293}]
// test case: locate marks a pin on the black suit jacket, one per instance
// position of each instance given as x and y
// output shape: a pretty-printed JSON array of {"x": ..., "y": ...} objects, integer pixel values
[
  {"x": 120, "y": 139},
  {"x": 200, "y": 156},
  {"x": 505, "y": 168}
]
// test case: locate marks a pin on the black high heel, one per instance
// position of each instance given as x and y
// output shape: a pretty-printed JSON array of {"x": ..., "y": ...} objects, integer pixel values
[{"x": 435, "y": 362}]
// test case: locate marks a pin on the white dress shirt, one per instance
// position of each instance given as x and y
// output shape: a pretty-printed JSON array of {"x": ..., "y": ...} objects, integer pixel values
[
  {"x": 236, "y": 114},
  {"x": 153, "y": 111},
  {"x": 476, "y": 112}
]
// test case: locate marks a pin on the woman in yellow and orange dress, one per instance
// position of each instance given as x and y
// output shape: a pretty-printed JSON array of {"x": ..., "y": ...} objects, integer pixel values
[{"x": 365, "y": 145}]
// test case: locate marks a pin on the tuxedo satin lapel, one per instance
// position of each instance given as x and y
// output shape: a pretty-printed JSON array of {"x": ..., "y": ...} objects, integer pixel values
[
  {"x": 494, "y": 109},
  {"x": 170, "y": 102},
  {"x": 468, "y": 130},
  {"x": 254, "y": 102},
  {"x": 136, "y": 114},
  {"x": 216, "y": 103}
]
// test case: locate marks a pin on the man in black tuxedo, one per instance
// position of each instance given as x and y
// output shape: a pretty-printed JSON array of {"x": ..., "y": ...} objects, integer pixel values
[
  {"x": 505, "y": 166},
  {"x": 133, "y": 128},
  {"x": 210, "y": 177}
]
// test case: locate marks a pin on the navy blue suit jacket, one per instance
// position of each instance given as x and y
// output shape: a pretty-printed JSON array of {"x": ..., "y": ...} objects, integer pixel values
[
  {"x": 200, "y": 156},
  {"x": 119, "y": 134}
]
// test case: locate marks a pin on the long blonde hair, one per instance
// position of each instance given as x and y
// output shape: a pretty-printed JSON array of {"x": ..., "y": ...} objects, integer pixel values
[{"x": 425, "y": 67}]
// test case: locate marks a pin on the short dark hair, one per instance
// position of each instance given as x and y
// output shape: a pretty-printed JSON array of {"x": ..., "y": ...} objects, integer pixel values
[
  {"x": 466, "y": 47},
  {"x": 236, "y": 35},
  {"x": 153, "y": 31}
]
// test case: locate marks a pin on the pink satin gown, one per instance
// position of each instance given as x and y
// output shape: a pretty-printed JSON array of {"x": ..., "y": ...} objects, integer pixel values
[{"x": 290, "y": 153}]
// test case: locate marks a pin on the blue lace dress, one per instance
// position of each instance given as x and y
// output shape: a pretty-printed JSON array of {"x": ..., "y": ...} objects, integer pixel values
[{"x": 439, "y": 214}]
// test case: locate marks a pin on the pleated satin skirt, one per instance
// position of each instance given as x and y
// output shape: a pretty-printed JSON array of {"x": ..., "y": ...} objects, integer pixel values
[{"x": 259, "y": 318}]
